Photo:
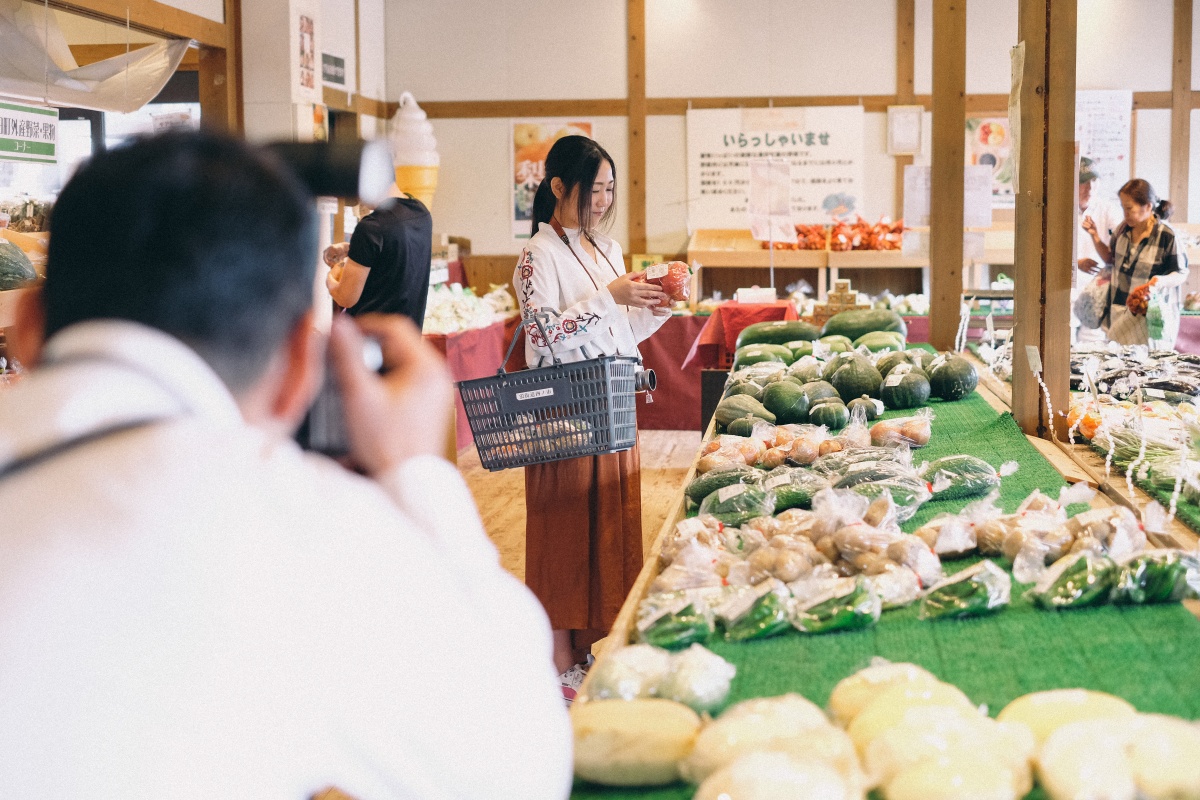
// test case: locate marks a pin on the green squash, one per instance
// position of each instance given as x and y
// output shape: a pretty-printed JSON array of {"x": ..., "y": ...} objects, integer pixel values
[
  {"x": 743, "y": 426},
  {"x": 837, "y": 344},
  {"x": 836, "y": 363},
  {"x": 757, "y": 353},
  {"x": 833, "y": 416},
  {"x": 738, "y": 406},
  {"x": 853, "y": 324},
  {"x": 787, "y": 402},
  {"x": 952, "y": 377},
  {"x": 817, "y": 390},
  {"x": 856, "y": 378},
  {"x": 888, "y": 361},
  {"x": 904, "y": 390},
  {"x": 800, "y": 349},
  {"x": 806, "y": 372},
  {"x": 870, "y": 410},
  {"x": 778, "y": 332},
  {"x": 16, "y": 270},
  {"x": 878, "y": 341},
  {"x": 745, "y": 387}
]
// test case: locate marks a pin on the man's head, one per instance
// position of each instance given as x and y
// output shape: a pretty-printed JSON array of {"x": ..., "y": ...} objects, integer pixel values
[
  {"x": 195, "y": 234},
  {"x": 1087, "y": 179}
]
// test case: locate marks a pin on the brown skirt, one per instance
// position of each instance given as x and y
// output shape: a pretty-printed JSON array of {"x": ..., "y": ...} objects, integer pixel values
[{"x": 583, "y": 537}]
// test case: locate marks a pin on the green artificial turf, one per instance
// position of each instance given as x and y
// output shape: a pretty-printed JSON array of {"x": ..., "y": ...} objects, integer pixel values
[{"x": 1148, "y": 655}]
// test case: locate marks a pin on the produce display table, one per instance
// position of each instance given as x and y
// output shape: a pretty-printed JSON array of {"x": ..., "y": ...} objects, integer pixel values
[
  {"x": 676, "y": 403},
  {"x": 1146, "y": 654},
  {"x": 718, "y": 338},
  {"x": 474, "y": 354}
]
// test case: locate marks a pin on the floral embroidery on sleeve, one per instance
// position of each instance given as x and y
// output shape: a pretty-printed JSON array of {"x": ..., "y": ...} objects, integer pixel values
[{"x": 560, "y": 327}]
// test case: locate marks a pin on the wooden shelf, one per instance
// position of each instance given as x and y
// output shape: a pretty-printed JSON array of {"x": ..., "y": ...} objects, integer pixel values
[
  {"x": 874, "y": 259},
  {"x": 737, "y": 248}
]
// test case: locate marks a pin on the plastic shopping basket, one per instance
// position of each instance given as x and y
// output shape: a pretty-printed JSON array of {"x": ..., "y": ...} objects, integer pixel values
[{"x": 550, "y": 413}]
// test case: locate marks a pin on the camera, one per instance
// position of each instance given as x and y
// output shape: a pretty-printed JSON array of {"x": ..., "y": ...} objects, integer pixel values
[{"x": 644, "y": 380}]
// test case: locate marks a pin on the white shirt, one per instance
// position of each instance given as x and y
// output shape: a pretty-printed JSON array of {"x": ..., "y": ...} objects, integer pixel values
[
  {"x": 1107, "y": 219},
  {"x": 586, "y": 321},
  {"x": 193, "y": 610}
]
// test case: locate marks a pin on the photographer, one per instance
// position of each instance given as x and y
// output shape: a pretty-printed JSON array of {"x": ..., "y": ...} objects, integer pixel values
[{"x": 190, "y": 605}]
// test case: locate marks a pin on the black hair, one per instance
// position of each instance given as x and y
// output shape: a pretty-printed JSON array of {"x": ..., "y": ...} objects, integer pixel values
[
  {"x": 575, "y": 160},
  {"x": 1141, "y": 192},
  {"x": 194, "y": 233}
]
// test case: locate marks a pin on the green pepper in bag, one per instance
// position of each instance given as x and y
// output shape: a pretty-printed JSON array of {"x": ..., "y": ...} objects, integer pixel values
[
  {"x": 676, "y": 631},
  {"x": 757, "y": 613},
  {"x": 1161, "y": 576},
  {"x": 850, "y": 605},
  {"x": 1076, "y": 581},
  {"x": 978, "y": 590}
]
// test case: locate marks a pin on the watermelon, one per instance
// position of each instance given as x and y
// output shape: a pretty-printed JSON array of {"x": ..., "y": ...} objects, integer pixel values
[
  {"x": 15, "y": 268},
  {"x": 757, "y": 353},
  {"x": 853, "y": 324},
  {"x": 787, "y": 402},
  {"x": 877, "y": 341},
  {"x": 778, "y": 332}
]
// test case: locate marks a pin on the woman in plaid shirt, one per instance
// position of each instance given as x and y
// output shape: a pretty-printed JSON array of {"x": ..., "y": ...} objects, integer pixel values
[{"x": 1145, "y": 254}]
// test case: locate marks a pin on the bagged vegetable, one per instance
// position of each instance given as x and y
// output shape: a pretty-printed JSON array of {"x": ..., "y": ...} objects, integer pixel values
[
  {"x": 856, "y": 434},
  {"x": 916, "y": 555},
  {"x": 959, "y": 476},
  {"x": 632, "y": 743},
  {"x": 896, "y": 587},
  {"x": 805, "y": 447},
  {"x": 774, "y": 774},
  {"x": 674, "y": 278},
  {"x": 873, "y": 471},
  {"x": 849, "y": 605},
  {"x": 674, "y": 620},
  {"x": 787, "y": 558},
  {"x": 705, "y": 530},
  {"x": 1158, "y": 576},
  {"x": 841, "y": 463},
  {"x": 698, "y": 678},
  {"x": 694, "y": 566},
  {"x": 908, "y": 492},
  {"x": 761, "y": 612},
  {"x": 739, "y": 502},
  {"x": 980, "y": 589},
  {"x": 631, "y": 672},
  {"x": 794, "y": 488},
  {"x": 1077, "y": 581},
  {"x": 914, "y": 431}
]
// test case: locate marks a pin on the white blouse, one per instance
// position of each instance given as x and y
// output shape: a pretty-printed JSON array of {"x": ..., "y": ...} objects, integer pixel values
[{"x": 585, "y": 321}]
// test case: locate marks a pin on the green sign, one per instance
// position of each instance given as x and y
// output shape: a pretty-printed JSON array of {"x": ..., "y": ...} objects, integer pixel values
[{"x": 28, "y": 133}]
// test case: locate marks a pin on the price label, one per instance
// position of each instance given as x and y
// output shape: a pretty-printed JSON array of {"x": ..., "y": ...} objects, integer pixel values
[
  {"x": 861, "y": 466},
  {"x": 1034, "y": 357},
  {"x": 991, "y": 327},
  {"x": 893, "y": 379},
  {"x": 657, "y": 271},
  {"x": 878, "y": 406},
  {"x": 1157, "y": 394},
  {"x": 778, "y": 480},
  {"x": 727, "y": 493}
]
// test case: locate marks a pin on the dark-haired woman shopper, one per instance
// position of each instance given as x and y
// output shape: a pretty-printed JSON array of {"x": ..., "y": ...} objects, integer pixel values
[
  {"x": 1145, "y": 255},
  {"x": 583, "y": 530}
]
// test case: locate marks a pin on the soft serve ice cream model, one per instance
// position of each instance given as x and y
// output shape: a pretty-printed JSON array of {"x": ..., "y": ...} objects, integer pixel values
[{"x": 414, "y": 150}]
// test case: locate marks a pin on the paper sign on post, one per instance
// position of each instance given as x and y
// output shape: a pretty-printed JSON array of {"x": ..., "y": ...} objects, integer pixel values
[{"x": 1034, "y": 357}]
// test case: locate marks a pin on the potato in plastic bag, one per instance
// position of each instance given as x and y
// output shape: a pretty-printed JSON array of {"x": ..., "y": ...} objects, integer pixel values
[
  {"x": 698, "y": 678},
  {"x": 914, "y": 431},
  {"x": 694, "y": 566},
  {"x": 917, "y": 556},
  {"x": 908, "y": 493},
  {"x": 631, "y": 672}
]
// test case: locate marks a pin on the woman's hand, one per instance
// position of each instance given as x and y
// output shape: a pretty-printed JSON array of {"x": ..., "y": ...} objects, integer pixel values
[{"x": 637, "y": 294}]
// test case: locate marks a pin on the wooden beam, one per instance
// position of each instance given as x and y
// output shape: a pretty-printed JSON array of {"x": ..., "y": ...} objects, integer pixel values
[
  {"x": 1046, "y": 200},
  {"x": 906, "y": 23},
  {"x": 680, "y": 105},
  {"x": 1181, "y": 107},
  {"x": 946, "y": 187},
  {"x": 524, "y": 108},
  {"x": 635, "y": 70},
  {"x": 220, "y": 76},
  {"x": 150, "y": 17},
  {"x": 85, "y": 54}
]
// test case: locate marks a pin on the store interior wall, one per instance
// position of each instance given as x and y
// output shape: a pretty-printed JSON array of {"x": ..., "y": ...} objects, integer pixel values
[{"x": 543, "y": 49}]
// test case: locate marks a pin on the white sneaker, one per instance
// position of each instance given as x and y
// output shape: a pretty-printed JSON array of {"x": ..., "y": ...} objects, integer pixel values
[{"x": 572, "y": 679}]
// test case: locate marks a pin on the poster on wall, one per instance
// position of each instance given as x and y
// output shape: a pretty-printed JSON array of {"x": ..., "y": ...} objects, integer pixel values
[
  {"x": 822, "y": 145},
  {"x": 989, "y": 144},
  {"x": 531, "y": 141},
  {"x": 1103, "y": 128},
  {"x": 306, "y": 44},
  {"x": 28, "y": 133}
]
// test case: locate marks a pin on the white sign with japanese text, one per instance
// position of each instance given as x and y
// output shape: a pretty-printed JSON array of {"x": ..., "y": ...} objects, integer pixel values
[
  {"x": 1103, "y": 128},
  {"x": 823, "y": 145},
  {"x": 28, "y": 133}
]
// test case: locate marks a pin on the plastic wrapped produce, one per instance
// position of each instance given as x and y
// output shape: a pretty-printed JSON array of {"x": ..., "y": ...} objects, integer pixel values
[
  {"x": 707, "y": 531},
  {"x": 794, "y": 488},
  {"x": 895, "y": 587},
  {"x": 980, "y": 589},
  {"x": 694, "y": 566},
  {"x": 1116, "y": 528},
  {"x": 698, "y": 678},
  {"x": 787, "y": 557},
  {"x": 954, "y": 775},
  {"x": 916, "y": 555},
  {"x": 843, "y": 462},
  {"x": 908, "y": 492},
  {"x": 770, "y": 775},
  {"x": 873, "y": 471},
  {"x": 719, "y": 477},
  {"x": 756, "y": 614},
  {"x": 674, "y": 620},
  {"x": 856, "y": 692},
  {"x": 893, "y": 706},
  {"x": 632, "y": 743},
  {"x": 739, "y": 502},
  {"x": 631, "y": 672},
  {"x": 1077, "y": 581},
  {"x": 1158, "y": 576},
  {"x": 850, "y": 605},
  {"x": 913, "y": 431},
  {"x": 959, "y": 476}
]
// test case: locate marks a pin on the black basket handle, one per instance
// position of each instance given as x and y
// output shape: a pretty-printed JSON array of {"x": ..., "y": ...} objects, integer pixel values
[{"x": 541, "y": 319}]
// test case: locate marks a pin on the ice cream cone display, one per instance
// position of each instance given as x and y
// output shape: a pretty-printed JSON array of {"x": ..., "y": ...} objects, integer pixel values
[{"x": 414, "y": 150}]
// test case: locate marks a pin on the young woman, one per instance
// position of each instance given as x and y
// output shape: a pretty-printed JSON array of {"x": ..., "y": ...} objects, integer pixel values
[
  {"x": 583, "y": 535},
  {"x": 1145, "y": 254}
]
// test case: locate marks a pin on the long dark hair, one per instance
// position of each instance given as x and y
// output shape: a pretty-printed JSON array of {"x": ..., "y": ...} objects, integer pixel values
[
  {"x": 1141, "y": 192},
  {"x": 575, "y": 160}
]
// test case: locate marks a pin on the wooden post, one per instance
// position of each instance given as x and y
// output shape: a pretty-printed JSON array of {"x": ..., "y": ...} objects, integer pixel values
[
  {"x": 1045, "y": 218},
  {"x": 906, "y": 23},
  {"x": 635, "y": 61},
  {"x": 1181, "y": 108},
  {"x": 946, "y": 186},
  {"x": 220, "y": 76}
]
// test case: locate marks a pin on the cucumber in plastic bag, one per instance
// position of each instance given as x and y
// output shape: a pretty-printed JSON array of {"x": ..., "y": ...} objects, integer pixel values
[
  {"x": 850, "y": 605},
  {"x": 757, "y": 613},
  {"x": 1160, "y": 576},
  {"x": 738, "y": 503},
  {"x": 980, "y": 589},
  {"x": 1076, "y": 581},
  {"x": 960, "y": 476},
  {"x": 704, "y": 485},
  {"x": 794, "y": 488}
]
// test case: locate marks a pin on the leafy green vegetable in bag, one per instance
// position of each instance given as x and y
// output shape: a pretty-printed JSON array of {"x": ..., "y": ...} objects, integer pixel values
[
  {"x": 757, "y": 613},
  {"x": 980, "y": 589},
  {"x": 1160, "y": 576},
  {"x": 960, "y": 476},
  {"x": 678, "y": 630},
  {"x": 739, "y": 502},
  {"x": 851, "y": 605},
  {"x": 1077, "y": 581}
]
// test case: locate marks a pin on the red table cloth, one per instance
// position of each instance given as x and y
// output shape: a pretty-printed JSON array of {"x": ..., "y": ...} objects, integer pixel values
[
  {"x": 718, "y": 338},
  {"x": 676, "y": 405},
  {"x": 476, "y": 354}
]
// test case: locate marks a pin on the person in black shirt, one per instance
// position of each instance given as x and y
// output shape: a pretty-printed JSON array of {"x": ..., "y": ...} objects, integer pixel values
[{"x": 385, "y": 268}]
